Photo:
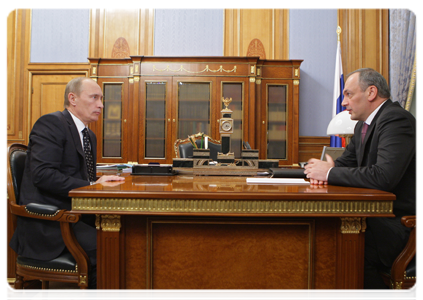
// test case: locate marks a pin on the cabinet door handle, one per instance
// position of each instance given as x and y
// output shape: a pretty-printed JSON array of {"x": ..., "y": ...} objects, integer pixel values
[
  {"x": 168, "y": 120},
  {"x": 174, "y": 121},
  {"x": 264, "y": 122}
]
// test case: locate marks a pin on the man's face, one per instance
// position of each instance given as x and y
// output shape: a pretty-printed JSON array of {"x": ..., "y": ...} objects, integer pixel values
[
  {"x": 88, "y": 105},
  {"x": 356, "y": 100}
]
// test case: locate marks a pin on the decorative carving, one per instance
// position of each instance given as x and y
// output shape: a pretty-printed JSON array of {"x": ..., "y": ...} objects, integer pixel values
[
  {"x": 352, "y": 225},
  {"x": 206, "y": 69},
  {"x": 233, "y": 206},
  {"x": 120, "y": 48},
  {"x": 256, "y": 48},
  {"x": 110, "y": 223},
  {"x": 398, "y": 285}
]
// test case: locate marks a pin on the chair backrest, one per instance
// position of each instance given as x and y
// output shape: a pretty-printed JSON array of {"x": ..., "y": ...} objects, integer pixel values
[
  {"x": 184, "y": 148},
  {"x": 15, "y": 168}
]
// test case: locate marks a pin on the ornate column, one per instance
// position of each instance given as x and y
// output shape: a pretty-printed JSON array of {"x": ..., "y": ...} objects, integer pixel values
[
  {"x": 108, "y": 251},
  {"x": 350, "y": 254}
]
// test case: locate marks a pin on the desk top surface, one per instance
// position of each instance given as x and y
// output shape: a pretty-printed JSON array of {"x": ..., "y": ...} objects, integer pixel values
[{"x": 222, "y": 187}]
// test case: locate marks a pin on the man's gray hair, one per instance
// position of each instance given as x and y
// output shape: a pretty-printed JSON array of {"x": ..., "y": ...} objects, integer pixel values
[
  {"x": 368, "y": 77},
  {"x": 73, "y": 86}
]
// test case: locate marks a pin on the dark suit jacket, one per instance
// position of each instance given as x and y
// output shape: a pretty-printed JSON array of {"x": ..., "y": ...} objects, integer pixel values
[
  {"x": 386, "y": 160},
  {"x": 55, "y": 164}
]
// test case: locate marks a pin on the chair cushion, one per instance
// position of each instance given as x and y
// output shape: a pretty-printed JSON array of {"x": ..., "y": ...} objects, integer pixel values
[
  {"x": 64, "y": 262},
  {"x": 42, "y": 209},
  {"x": 411, "y": 268}
]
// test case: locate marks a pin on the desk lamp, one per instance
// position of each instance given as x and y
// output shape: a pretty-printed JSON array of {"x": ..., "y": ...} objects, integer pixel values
[{"x": 341, "y": 125}]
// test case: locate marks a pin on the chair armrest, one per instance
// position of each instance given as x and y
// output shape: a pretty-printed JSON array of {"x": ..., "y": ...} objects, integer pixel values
[
  {"x": 400, "y": 264},
  {"x": 42, "y": 209},
  {"x": 43, "y": 212}
]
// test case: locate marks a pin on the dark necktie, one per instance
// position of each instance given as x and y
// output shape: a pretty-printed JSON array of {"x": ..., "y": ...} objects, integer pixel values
[
  {"x": 363, "y": 131},
  {"x": 88, "y": 155}
]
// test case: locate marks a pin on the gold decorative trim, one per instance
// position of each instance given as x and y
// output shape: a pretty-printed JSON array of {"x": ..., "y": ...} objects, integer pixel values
[
  {"x": 110, "y": 223},
  {"x": 83, "y": 279},
  {"x": 353, "y": 225},
  {"x": 296, "y": 82},
  {"x": 398, "y": 285},
  {"x": 206, "y": 69},
  {"x": 48, "y": 269},
  {"x": 229, "y": 206},
  {"x": 94, "y": 70},
  {"x": 252, "y": 79},
  {"x": 131, "y": 80},
  {"x": 10, "y": 280},
  {"x": 258, "y": 81},
  {"x": 296, "y": 72},
  {"x": 42, "y": 215}
]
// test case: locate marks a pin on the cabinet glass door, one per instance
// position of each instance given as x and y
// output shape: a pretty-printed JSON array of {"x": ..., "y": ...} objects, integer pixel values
[
  {"x": 112, "y": 120},
  {"x": 276, "y": 121},
  {"x": 155, "y": 120},
  {"x": 193, "y": 108},
  {"x": 234, "y": 90}
]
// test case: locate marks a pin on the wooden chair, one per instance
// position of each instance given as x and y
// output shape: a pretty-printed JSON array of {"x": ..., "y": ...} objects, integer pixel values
[
  {"x": 183, "y": 147},
  {"x": 71, "y": 267},
  {"x": 403, "y": 272}
]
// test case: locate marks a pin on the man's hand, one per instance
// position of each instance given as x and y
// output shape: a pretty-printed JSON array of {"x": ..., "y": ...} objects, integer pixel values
[
  {"x": 317, "y": 170},
  {"x": 106, "y": 178}
]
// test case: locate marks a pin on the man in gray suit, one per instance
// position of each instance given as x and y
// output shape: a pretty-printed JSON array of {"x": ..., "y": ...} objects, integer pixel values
[
  {"x": 55, "y": 164},
  {"x": 381, "y": 157}
]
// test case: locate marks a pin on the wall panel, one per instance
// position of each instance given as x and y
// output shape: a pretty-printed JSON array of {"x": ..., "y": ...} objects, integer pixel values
[
  {"x": 270, "y": 26},
  {"x": 365, "y": 39}
]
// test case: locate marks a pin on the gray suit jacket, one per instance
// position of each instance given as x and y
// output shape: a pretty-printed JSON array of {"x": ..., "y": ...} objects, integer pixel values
[{"x": 55, "y": 164}]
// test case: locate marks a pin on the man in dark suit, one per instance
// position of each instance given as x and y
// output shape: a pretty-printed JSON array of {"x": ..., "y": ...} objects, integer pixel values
[
  {"x": 55, "y": 164},
  {"x": 383, "y": 157}
]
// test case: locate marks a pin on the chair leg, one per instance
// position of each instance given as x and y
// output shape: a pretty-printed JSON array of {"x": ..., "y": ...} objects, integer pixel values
[
  {"x": 19, "y": 282},
  {"x": 44, "y": 289},
  {"x": 84, "y": 293}
]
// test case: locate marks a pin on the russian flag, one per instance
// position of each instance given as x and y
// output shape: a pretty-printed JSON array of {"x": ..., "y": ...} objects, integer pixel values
[{"x": 338, "y": 95}]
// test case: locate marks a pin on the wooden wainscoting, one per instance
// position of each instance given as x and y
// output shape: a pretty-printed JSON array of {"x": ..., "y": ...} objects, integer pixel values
[{"x": 311, "y": 147}]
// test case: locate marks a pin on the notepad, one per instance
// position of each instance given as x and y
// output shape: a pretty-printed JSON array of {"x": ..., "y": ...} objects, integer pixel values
[{"x": 277, "y": 180}]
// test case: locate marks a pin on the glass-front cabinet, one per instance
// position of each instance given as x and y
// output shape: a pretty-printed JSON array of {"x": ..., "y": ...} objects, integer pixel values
[
  {"x": 112, "y": 127},
  {"x": 150, "y": 102}
]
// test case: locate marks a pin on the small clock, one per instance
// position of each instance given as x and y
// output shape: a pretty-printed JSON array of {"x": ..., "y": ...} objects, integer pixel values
[{"x": 226, "y": 126}]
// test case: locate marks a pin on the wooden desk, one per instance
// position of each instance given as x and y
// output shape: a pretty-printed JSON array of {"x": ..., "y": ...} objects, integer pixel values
[{"x": 210, "y": 232}]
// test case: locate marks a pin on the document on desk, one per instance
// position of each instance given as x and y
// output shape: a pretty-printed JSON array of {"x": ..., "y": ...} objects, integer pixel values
[{"x": 277, "y": 180}]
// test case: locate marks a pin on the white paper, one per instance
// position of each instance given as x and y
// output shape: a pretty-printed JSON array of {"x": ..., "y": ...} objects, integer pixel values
[{"x": 277, "y": 180}]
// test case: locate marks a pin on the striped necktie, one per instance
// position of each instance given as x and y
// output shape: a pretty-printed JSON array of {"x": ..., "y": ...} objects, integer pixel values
[{"x": 88, "y": 155}]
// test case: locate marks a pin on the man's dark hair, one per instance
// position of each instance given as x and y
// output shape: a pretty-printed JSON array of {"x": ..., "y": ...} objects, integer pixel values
[{"x": 368, "y": 77}]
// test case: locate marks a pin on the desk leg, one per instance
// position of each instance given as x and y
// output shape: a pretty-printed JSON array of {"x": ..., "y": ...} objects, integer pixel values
[
  {"x": 108, "y": 251},
  {"x": 350, "y": 258}
]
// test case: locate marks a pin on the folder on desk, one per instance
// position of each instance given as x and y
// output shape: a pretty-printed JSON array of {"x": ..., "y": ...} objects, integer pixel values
[{"x": 287, "y": 173}]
